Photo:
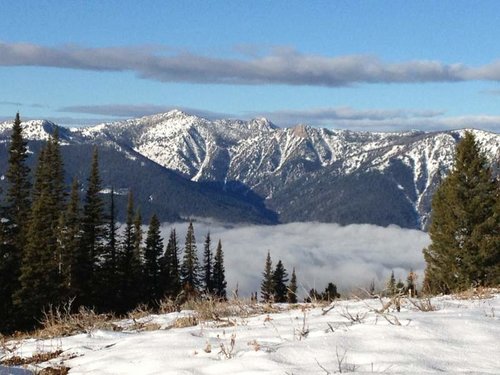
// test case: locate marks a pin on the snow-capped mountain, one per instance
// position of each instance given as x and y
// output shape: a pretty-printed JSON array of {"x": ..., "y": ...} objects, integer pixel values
[{"x": 303, "y": 173}]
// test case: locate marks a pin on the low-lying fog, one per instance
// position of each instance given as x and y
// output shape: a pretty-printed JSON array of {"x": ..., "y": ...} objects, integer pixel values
[{"x": 350, "y": 256}]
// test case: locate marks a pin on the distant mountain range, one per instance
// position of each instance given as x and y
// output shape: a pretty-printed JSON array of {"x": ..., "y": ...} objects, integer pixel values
[{"x": 182, "y": 166}]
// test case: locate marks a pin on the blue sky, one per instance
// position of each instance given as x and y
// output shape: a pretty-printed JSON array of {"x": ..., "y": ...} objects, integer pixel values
[{"x": 367, "y": 65}]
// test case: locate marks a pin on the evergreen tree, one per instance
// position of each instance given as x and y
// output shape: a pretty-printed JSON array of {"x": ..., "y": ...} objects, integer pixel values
[
  {"x": 108, "y": 279},
  {"x": 190, "y": 265},
  {"x": 68, "y": 242},
  {"x": 152, "y": 253},
  {"x": 267, "y": 284},
  {"x": 208, "y": 266},
  {"x": 171, "y": 279},
  {"x": 219, "y": 278},
  {"x": 292, "y": 288},
  {"x": 280, "y": 278},
  {"x": 129, "y": 263},
  {"x": 19, "y": 188},
  {"x": 13, "y": 224},
  {"x": 8, "y": 273},
  {"x": 40, "y": 276},
  {"x": 391, "y": 285},
  {"x": 462, "y": 207},
  {"x": 330, "y": 292},
  {"x": 93, "y": 233}
]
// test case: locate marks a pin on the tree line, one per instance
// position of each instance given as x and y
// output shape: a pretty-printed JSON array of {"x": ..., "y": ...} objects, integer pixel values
[{"x": 54, "y": 246}]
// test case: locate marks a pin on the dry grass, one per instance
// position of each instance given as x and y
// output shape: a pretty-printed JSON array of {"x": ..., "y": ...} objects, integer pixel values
[
  {"x": 35, "y": 359},
  {"x": 477, "y": 293},
  {"x": 185, "y": 321},
  {"x": 60, "y": 322}
]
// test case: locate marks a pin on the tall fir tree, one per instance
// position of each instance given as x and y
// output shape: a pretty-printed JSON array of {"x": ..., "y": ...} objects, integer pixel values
[
  {"x": 219, "y": 277},
  {"x": 292, "y": 288},
  {"x": 19, "y": 186},
  {"x": 170, "y": 267},
  {"x": 280, "y": 278},
  {"x": 93, "y": 236},
  {"x": 129, "y": 262},
  {"x": 13, "y": 226},
  {"x": 68, "y": 242},
  {"x": 208, "y": 265},
  {"x": 8, "y": 275},
  {"x": 267, "y": 284},
  {"x": 461, "y": 208},
  {"x": 108, "y": 279},
  {"x": 40, "y": 278},
  {"x": 152, "y": 254},
  {"x": 190, "y": 270},
  {"x": 391, "y": 285}
]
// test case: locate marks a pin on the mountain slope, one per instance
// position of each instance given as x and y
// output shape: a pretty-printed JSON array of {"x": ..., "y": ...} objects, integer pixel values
[{"x": 302, "y": 173}]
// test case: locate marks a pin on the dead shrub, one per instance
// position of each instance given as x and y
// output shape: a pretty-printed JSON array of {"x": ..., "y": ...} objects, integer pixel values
[
  {"x": 59, "y": 321},
  {"x": 185, "y": 321}
]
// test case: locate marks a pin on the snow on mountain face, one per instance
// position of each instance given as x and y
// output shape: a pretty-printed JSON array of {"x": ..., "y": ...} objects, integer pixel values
[{"x": 267, "y": 159}]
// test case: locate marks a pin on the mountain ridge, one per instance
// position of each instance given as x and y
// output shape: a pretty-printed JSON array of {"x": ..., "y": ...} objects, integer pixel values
[{"x": 280, "y": 164}]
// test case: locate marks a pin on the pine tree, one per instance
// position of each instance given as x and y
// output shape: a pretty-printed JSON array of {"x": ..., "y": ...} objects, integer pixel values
[
  {"x": 461, "y": 208},
  {"x": 19, "y": 187},
  {"x": 93, "y": 231},
  {"x": 129, "y": 263},
  {"x": 219, "y": 278},
  {"x": 8, "y": 271},
  {"x": 40, "y": 276},
  {"x": 391, "y": 285},
  {"x": 292, "y": 288},
  {"x": 280, "y": 278},
  {"x": 13, "y": 225},
  {"x": 171, "y": 279},
  {"x": 68, "y": 242},
  {"x": 190, "y": 265},
  {"x": 208, "y": 266},
  {"x": 108, "y": 279},
  {"x": 330, "y": 292},
  {"x": 152, "y": 253},
  {"x": 267, "y": 285}
]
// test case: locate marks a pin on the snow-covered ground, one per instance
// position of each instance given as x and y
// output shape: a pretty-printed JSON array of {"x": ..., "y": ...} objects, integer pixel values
[{"x": 459, "y": 336}]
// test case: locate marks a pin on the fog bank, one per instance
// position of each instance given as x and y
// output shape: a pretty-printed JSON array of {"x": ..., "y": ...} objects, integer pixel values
[{"x": 350, "y": 256}]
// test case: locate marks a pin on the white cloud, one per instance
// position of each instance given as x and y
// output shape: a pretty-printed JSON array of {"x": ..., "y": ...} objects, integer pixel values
[
  {"x": 281, "y": 66},
  {"x": 350, "y": 256}
]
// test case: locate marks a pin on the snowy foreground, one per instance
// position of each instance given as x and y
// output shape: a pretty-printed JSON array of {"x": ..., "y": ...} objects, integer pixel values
[{"x": 458, "y": 336}]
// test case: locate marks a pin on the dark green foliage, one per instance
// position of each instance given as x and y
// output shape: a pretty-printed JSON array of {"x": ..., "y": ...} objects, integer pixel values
[
  {"x": 267, "y": 284},
  {"x": 93, "y": 236},
  {"x": 108, "y": 278},
  {"x": 129, "y": 262},
  {"x": 328, "y": 295},
  {"x": 219, "y": 278},
  {"x": 19, "y": 186},
  {"x": 68, "y": 242},
  {"x": 463, "y": 224},
  {"x": 190, "y": 271},
  {"x": 152, "y": 253},
  {"x": 391, "y": 285},
  {"x": 280, "y": 278},
  {"x": 330, "y": 292},
  {"x": 208, "y": 266},
  {"x": 170, "y": 268},
  {"x": 292, "y": 289},
  {"x": 41, "y": 266},
  {"x": 9, "y": 270}
]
